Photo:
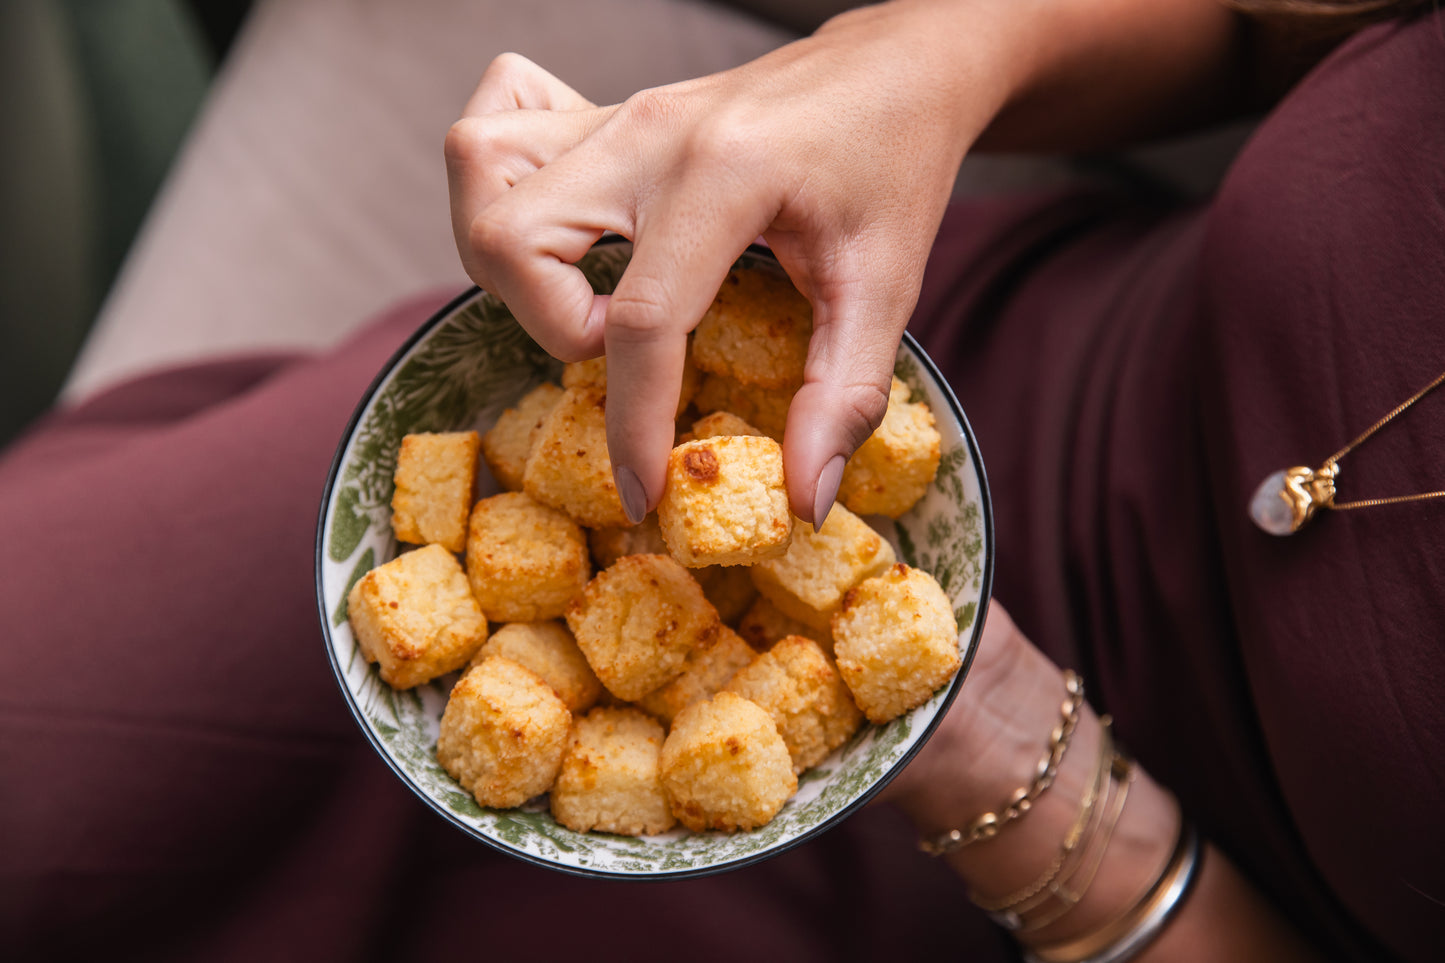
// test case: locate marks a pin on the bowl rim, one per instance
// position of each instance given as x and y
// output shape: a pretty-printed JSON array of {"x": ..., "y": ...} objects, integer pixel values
[{"x": 338, "y": 672}]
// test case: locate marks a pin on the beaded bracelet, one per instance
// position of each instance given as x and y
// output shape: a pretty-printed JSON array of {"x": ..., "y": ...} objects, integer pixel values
[{"x": 1021, "y": 801}]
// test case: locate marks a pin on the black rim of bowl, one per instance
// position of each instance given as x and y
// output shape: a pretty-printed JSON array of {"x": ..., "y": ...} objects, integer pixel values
[{"x": 339, "y": 673}]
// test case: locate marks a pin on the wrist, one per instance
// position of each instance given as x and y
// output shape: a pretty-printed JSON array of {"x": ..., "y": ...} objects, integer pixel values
[
  {"x": 1114, "y": 872},
  {"x": 963, "y": 61},
  {"x": 990, "y": 747},
  {"x": 990, "y": 742}
]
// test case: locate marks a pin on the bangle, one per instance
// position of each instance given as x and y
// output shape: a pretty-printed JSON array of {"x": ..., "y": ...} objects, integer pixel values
[
  {"x": 1022, "y": 799},
  {"x": 1015, "y": 902},
  {"x": 1124, "y": 937},
  {"x": 1069, "y": 889}
]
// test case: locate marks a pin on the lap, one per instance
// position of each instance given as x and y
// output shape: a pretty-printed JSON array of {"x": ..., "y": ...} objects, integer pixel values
[{"x": 182, "y": 778}]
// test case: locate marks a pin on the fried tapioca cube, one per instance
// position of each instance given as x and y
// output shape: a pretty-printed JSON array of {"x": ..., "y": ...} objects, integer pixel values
[
  {"x": 764, "y": 624},
  {"x": 637, "y": 620},
  {"x": 764, "y": 408},
  {"x": 569, "y": 468},
  {"x": 435, "y": 472},
  {"x": 503, "y": 733},
  {"x": 729, "y": 588},
  {"x": 593, "y": 374},
  {"x": 610, "y": 544},
  {"x": 892, "y": 470},
  {"x": 725, "y": 502},
  {"x": 415, "y": 617},
  {"x": 707, "y": 669},
  {"x": 506, "y": 446},
  {"x": 800, "y": 688},
  {"x": 756, "y": 330},
  {"x": 808, "y": 581},
  {"x": 525, "y": 561},
  {"x": 720, "y": 424},
  {"x": 896, "y": 641},
  {"x": 549, "y": 650},
  {"x": 724, "y": 766},
  {"x": 609, "y": 779}
]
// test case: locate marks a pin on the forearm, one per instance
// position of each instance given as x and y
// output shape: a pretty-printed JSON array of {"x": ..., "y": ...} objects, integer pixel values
[
  {"x": 1104, "y": 72},
  {"x": 1081, "y": 75},
  {"x": 841, "y": 150},
  {"x": 1010, "y": 703}
]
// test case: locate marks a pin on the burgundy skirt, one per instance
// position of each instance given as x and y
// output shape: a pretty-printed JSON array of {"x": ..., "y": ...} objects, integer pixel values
[{"x": 180, "y": 779}]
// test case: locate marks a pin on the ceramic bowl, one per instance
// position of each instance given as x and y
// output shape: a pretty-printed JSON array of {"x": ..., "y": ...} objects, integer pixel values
[{"x": 466, "y": 365}]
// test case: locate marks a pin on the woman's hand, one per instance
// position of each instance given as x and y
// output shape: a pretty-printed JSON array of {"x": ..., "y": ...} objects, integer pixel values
[{"x": 839, "y": 150}]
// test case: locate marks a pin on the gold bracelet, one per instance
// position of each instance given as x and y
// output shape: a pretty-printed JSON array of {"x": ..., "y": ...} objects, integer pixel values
[
  {"x": 1126, "y": 935},
  {"x": 988, "y": 825},
  {"x": 1092, "y": 794},
  {"x": 1069, "y": 889}
]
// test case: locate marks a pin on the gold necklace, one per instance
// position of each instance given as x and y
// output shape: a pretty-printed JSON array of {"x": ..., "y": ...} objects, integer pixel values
[{"x": 1287, "y": 499}]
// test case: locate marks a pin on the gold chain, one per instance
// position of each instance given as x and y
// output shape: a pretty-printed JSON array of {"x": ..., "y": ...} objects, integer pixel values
[
  {"x": 1082, "y": 822},
  {"x": 1396, "y": 499},
  {"x": 1022, "y": 800}
]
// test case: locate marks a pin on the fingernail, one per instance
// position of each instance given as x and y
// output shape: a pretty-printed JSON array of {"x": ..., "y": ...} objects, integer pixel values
[
  {"x": 828, "y": 481},
  {"x": 633, "y": 495}
]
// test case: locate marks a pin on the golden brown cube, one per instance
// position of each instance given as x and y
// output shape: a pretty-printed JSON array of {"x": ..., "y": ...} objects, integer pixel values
[
  {"x": 800, "y": 688},
  {"x": 637, "y": 620},
  {"x": 569, "y": 468},
  {"x": 896, "y": 641},
  {"x": 756, "y": 330},
  {"x": 729, "y": 588},
  {"x": 707, "y": 669},
  {"x": 506, "y": 446},
  {"x": 525, "y": 561},
  {"x": 435, "y": 472},
  {"x": 610, "y": 544},
  {"x": 725, "y": 502},
  {"x": 593, "y": 374},
  {"x": 765, "y": 624},
  {"x": 549, "y": 650},
  {"x": 892, "y": 470},
  {"x": 724, "y": 766},
  {"x": 808, "y": 582},
  {"x": 609, "y": 779},
  {"x": 503, "y": 733},
  {"x": 415, "y": 617},
  {"x": 721, "y": 423},
  {"x": 764, "y": 408}
]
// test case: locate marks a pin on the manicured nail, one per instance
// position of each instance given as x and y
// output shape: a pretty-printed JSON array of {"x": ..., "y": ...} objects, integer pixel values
[
  {"x": 828, "y": 481},
  {"x": 633, "y": 495}
]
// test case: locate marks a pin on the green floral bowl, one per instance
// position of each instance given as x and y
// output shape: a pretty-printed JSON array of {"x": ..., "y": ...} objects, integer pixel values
[{"x": 466, "y": 365}]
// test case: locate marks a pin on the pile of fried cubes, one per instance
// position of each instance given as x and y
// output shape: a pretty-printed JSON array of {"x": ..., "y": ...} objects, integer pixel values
[{"x": 683, "y": 670}]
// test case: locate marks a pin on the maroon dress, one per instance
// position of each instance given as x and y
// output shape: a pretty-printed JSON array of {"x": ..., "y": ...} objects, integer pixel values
[{"x": 180, "y": 779}]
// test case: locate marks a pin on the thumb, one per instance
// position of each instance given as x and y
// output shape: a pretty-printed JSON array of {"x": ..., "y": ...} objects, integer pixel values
[{"x": 844, "y": 394}]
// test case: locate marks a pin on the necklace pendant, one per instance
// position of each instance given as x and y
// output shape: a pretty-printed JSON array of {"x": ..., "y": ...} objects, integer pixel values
[{"x": 1286, "y": 500}]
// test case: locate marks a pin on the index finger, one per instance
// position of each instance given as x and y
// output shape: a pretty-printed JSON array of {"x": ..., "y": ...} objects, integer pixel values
[
  {"x": 675, "y": 272},
  {"x": 512, "y": 82}
]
